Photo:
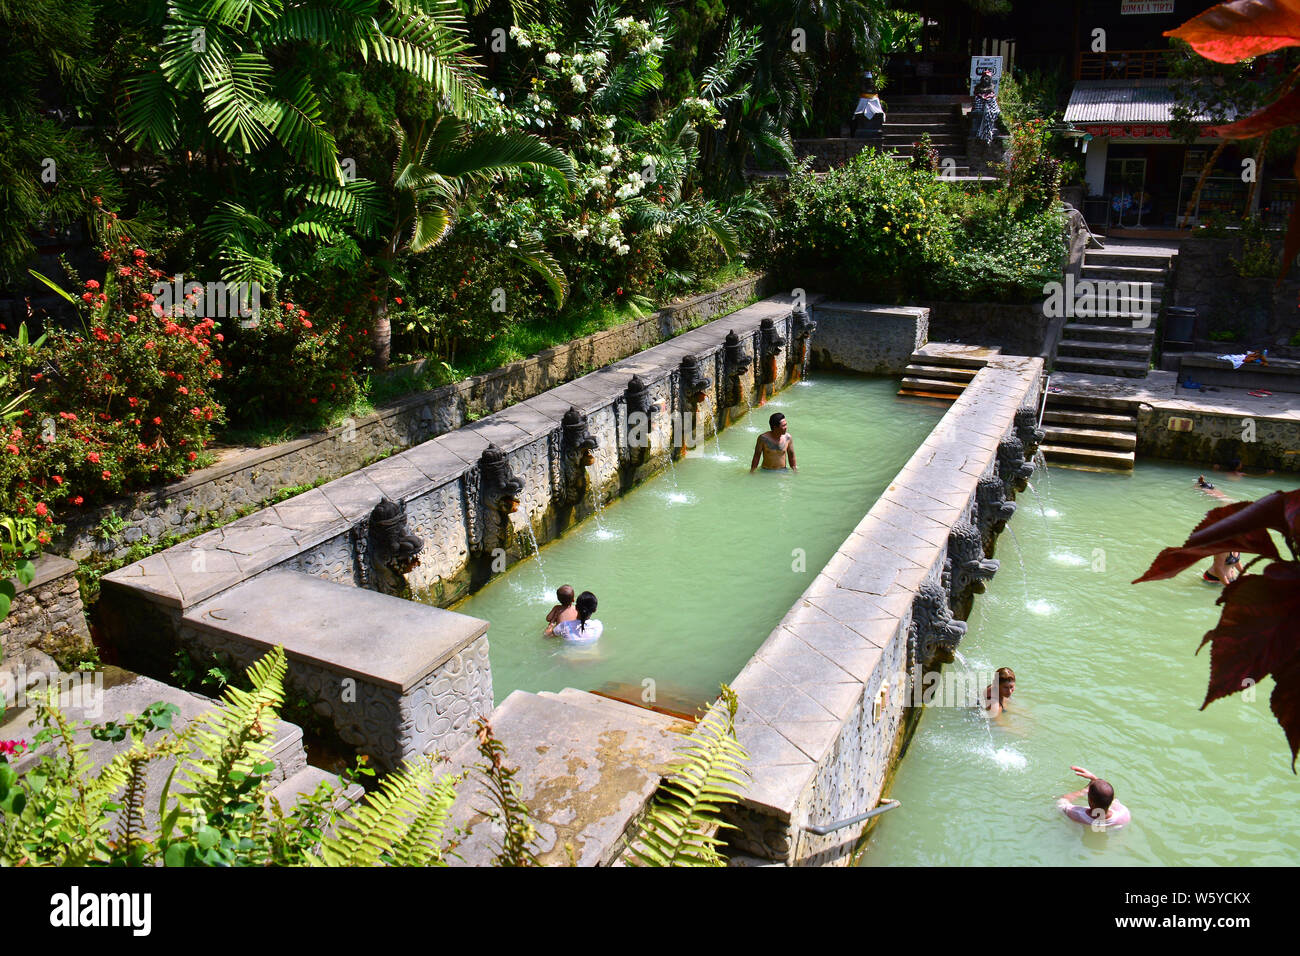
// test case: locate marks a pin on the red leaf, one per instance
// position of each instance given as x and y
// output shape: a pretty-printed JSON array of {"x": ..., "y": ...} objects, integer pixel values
[
  {"x": 1241, "y": 526},
  {"x": 1259, "y": 634},
  {"x": 1285, "y": 704},
  {"x": 1236, "y": 31},
  {"x": 1281, "y": 113}
]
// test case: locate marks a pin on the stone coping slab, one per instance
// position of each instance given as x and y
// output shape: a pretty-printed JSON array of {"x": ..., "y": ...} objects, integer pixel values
[
  {"x": 49, "y": 567},
  {"x": 337, "y": 626},
  {"x": 800, "y": 689},
  {"x": 1160, "y": 389}
]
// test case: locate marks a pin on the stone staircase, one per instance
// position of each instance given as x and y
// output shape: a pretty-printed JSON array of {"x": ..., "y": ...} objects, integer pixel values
[
  {"x": 942, "y": 370},
  {"x": 1115, "y": 341},
  {"x": 589, "y": 766},
  {"x": 911, "y": 116},
  {"x": 1090, "y": 431},
  {"x": 124, "y": 692}
]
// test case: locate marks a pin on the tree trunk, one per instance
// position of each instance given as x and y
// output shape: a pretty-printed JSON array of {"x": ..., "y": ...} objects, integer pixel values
[
  {"x": 1258, "y": 171},
  {"x": 381, "y": 329}
]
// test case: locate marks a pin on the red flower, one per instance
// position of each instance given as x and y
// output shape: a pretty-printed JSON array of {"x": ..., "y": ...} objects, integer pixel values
[
  {"x": 58, "y": 479},
  {"x": 107, "y": 475},
  {"x": 193, "y": 455},
  {"x": 93, "y": 458},
  {"x": 92, "y": 284},
  {"x": 183, "y": 390},
  {"x": 157, "y": 421},
  {"x": 41, "y": 509},
  {"x": 12, "y": 449},
  {"x": 78, "y": 500}
]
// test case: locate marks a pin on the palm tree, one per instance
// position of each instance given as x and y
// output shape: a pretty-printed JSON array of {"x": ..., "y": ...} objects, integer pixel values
[{"x": 440, "y": 162}]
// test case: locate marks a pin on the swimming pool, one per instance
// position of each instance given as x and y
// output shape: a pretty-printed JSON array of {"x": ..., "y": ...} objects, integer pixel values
[
  {"x": 694, "y": 568},
  {"x": 1107, "y": 677}
]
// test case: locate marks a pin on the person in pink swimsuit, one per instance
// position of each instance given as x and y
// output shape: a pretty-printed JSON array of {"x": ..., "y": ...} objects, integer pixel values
[{"x": 1103, "y": 811}]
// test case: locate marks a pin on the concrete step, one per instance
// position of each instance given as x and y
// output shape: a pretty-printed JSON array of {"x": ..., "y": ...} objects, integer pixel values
[
  {"x": 942, "y": 386},
  {"x": 1089, "y": 419},
  {"x": 1114, "y": 350},
  {"x": 1071, "y": 436},
  {"x": 592, "y": 767},
  {"x": 1119, "y": 257},
  {"x": 1107, "y": 459},
  {"x": 956, "y": 373},
  {"x": 123, "y": 692},
  {"x": 305, "y": 782},
  {"x": 1124, "y": 273},
  {"x": 626, "y": 709},
  {"x": 1087, "y": 332},
  {"x": 952, "y": 355},
  {"x": 1079, "y": 401},
  {"x": 1098, "y": 366}
]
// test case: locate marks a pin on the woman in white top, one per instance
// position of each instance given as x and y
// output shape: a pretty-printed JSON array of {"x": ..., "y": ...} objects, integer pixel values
[{"x": 585, "y": 629}]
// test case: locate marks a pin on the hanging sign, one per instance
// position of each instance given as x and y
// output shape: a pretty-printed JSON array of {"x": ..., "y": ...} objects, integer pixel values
[
  {"x": 981, "y": 63},
  {"x": 1128, "y": 7}
]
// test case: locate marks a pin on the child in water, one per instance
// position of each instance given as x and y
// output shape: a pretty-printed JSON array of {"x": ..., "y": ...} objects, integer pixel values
[{"x": 564, "y": 611}]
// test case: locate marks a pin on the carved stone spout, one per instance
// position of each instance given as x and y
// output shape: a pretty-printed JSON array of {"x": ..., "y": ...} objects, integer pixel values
[
  {"x": 694, "y": 385},
  {"x": 577, "y": 445},
  {"x": 736, "y": 363},
  {"x": 1027, "y": 430},
  {"x": 501, "y": 490},
  {"x": 636, "y": 437},
  {"x": 770, "y": 343},
  {"x": 992, "y": 509},
  {"x": 1012, "y": 467},
  {"x": 967, "y": 571},
  {"x": 392, "y": 545},
  {"x": 934, "y": 633},
  {"x": 803, "y": 327}
]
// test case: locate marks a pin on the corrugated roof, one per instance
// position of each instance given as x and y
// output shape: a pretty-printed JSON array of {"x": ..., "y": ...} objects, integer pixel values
[{"x": 1122, "y": 101}]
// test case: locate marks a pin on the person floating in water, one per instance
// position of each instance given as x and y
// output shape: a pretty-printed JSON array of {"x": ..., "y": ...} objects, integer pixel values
[
  {"x": 1209, "y": 489},
  {"x": 583, "y": 629},
  {"x": 564, "y": 611},
  {"x": 1226, "y": 566},
  {"x": 1103, "y": 810},
  {"x": 995, "y": 704},
  {"x": 774, "y": 448}
]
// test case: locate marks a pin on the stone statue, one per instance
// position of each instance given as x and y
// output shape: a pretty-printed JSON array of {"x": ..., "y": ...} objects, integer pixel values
[
  {"x": 934, "y": 633},
  {"x": 736, "y": 363},
  {"x": 770, "y": 343},
  {"x": 1027, "y": 430},
  {"x": 577, "y": 445},
  {"x": 392, "y": 546},
  {"x": 1012, "y": 467},
  {"x": 636, "y": 436}
]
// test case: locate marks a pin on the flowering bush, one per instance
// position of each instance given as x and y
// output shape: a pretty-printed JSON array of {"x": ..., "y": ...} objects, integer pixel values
[
  {"x": 123, "y": 402},
  {"x": 299, "y": 356}
]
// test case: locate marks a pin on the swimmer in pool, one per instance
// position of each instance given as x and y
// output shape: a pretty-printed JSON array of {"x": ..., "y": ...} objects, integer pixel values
[
  {"x": 584, "y": 629},
  {"x": 1006, "y": 680},
  {"x": 774, "y": 448},
  {"x": 564, "y": 611},
  {"x": 1209, "y": 489},
  {"x": 1103, "y": 811}
]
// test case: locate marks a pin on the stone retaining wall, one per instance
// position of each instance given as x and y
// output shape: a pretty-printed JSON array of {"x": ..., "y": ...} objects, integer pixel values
[
  {"x": 45, "y": 611},
  {"x": 1216, "y": 438},
  {"x": 876, "y": 339},
  {"x": 1204, "y": 278},
  {"x": 253, "y": 475},
  {"x": 823, "y": 702}
]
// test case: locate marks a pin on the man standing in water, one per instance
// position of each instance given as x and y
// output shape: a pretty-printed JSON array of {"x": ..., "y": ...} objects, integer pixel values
[{"x": 774, "y": 448}]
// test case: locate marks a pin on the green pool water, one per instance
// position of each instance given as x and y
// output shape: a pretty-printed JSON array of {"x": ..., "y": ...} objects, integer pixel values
[
  {"x": 1106, "y": 678},
  {"x": 695, "y": 567}
]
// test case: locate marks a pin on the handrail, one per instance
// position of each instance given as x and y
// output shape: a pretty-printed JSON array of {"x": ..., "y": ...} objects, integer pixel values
[
  {"x": 1042, "y": 409},
  {"x": 841, "y": 824}
]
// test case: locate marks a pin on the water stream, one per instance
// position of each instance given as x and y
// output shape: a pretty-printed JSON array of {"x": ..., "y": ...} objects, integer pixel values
[{"x": 1106, "y": 677}]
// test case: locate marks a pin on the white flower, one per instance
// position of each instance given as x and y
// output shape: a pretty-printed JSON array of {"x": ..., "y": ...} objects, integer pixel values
[
  {"x": 598, "y": 58},
  {"x": 578, "y": 59},
  {"x": 613, "y": 242},
  {"x": 575, "y": 122},
  {"x": 656, "y": 44},
  {"x": 579, "y": 85},
  {"x": 598, "y": 182},
  {"x": 581, "y": 233},
  {"x": 623, "y": 250},
  {"x": 623, "y": 24},
  {"x": 609, "y": 122},
  {"x": 553, "y": 58},
  {"x": 547, "y": 105}
]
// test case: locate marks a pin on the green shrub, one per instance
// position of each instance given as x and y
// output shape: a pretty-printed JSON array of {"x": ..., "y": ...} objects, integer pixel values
[{"x": 125, "y": 401}]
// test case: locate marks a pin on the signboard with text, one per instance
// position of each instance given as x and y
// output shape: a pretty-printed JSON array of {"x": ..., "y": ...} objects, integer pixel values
[
  {"x": 1128, "y": 7},
  {"x": 979, "y": 63},
  {"x": 1133, "y": 131}
]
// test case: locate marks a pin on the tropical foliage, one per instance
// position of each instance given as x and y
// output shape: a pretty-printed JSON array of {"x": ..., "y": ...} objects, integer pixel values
[{"x": 215, "y": 808}]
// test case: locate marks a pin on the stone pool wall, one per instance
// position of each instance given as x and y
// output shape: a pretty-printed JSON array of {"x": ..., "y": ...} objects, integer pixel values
[
  {"x": 45, "y": 614},
  {"x": 183, "y": 595},
  {"x": 875, "y": 339},
  {"x": 823, "y": 701},
  {"x": 249, "y": 476}
]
